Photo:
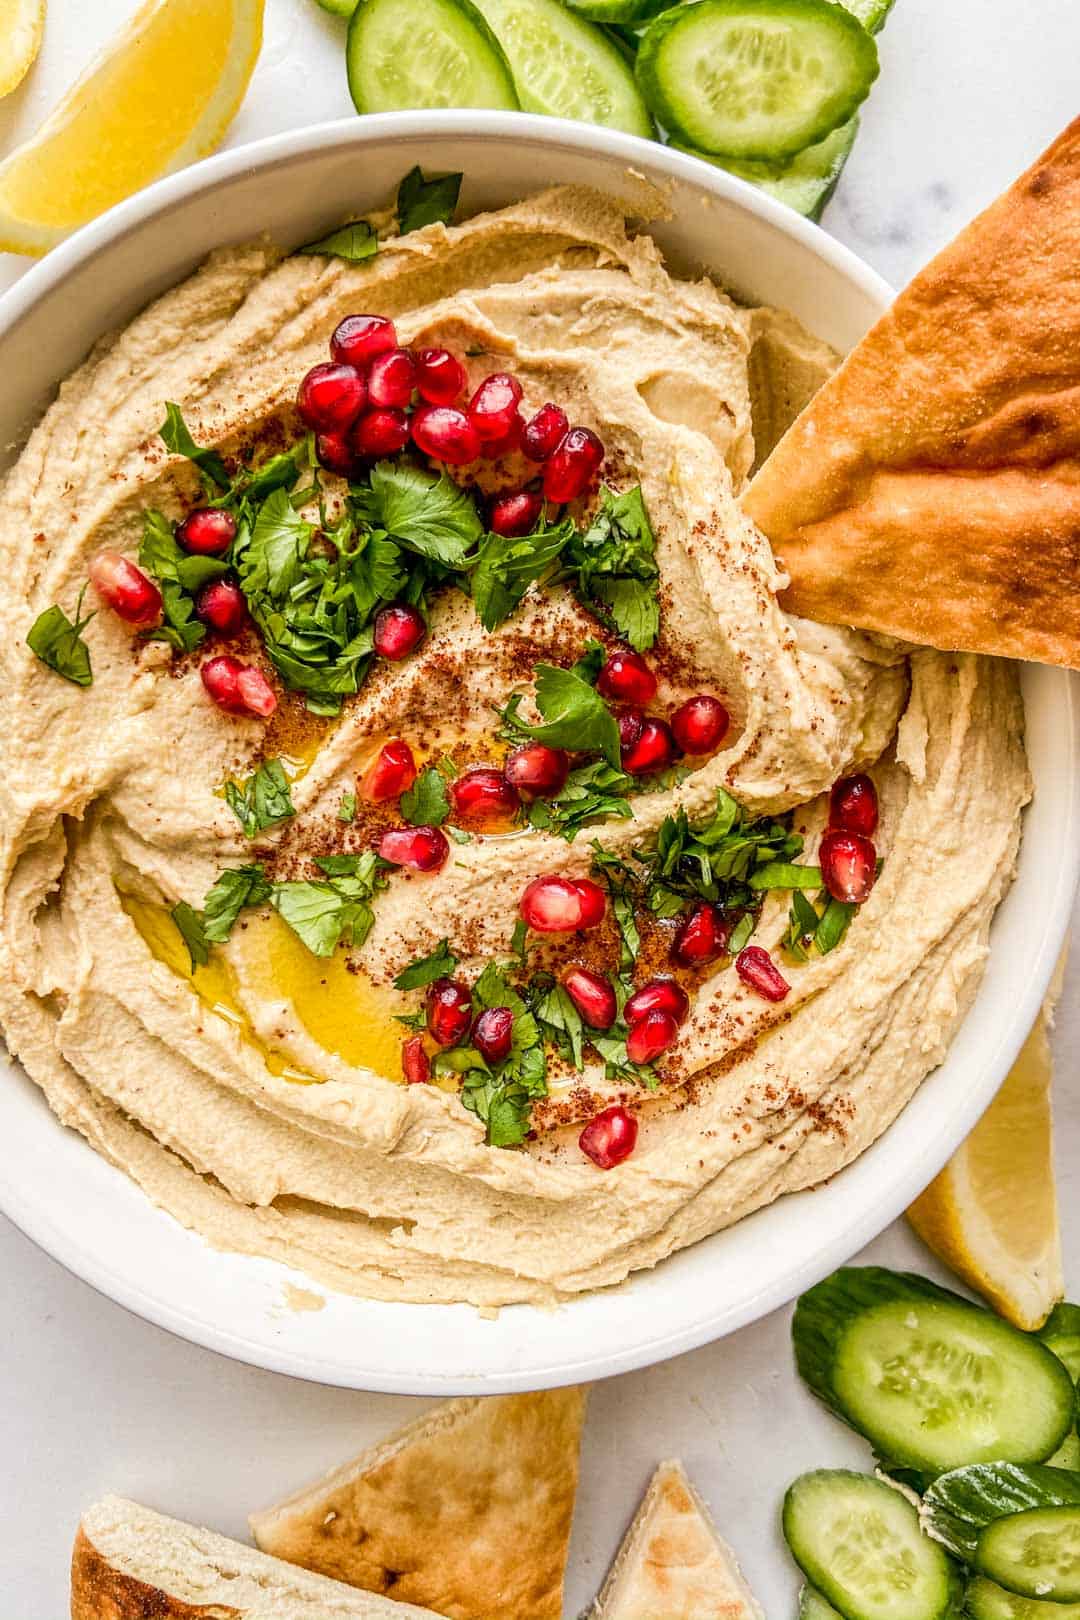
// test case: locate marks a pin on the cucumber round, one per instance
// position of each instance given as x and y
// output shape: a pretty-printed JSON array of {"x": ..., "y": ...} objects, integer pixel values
[
  {"x": 806, "y": 181},
  {"x": 425, "y": 53},
  {"x": 932, "y": 1381},
  {"x": 618, "y": 11},
  {"x": 1036, "y": 1554},
  {"x": 859, "y": 1544},
  {"x": 1061, "y": 1333},
  {"x": 1067, "y": 1454},
  {"x": 567, "y": 67},
  {"x": 984, "y": 1600},
  {"x": 755, "y": 78},
  {"x": 337, "y": 8},
  {"x": 812, "y": 1606}
]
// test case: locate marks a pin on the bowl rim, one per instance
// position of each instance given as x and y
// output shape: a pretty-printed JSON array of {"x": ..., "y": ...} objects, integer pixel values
[{"x": 98, "y": 1269}]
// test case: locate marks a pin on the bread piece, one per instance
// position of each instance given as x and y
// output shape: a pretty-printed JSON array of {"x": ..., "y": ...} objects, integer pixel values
[
  {"x": 467, "y": 1510},
  {"x": 130, "y": 1563},
  {"x": 672, "y": 1565},
  {"x": 932, "y": 487}
]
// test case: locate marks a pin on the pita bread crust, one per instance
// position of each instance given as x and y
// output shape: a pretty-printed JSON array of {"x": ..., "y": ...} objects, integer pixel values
[
  {"x": 467, "y": 1511},
  {"x": 672, "y": 1564},
  {"x": 101, "y": 1592},
  {"x": 931, "y": 490}
]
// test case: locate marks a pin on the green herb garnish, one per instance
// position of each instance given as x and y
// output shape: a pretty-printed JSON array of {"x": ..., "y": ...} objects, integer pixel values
[
  {"x": 423, "y": 202},
  {"x": 58, "y": 642},
  {"x": 190, "y": 924},
  {"x": 614, "y": 561},
  {"x": 338, "y": 908},
  {"x": 354, "y": 241},
  {"x": 177, "y": 438},
  {"x": 426, "y": 804},
  {"x": 235, "y": 889},
  {"x": 574, "y": 715},
  {"x": 261, "y": 800},
  {"x": 347, "y": 807},
  {"x": 426, "y": 969},
  {"x": 506, "y": 567}
]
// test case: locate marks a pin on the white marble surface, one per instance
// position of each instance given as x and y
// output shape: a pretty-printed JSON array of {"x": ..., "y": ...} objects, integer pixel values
[{"x": 92, "y": 1399}]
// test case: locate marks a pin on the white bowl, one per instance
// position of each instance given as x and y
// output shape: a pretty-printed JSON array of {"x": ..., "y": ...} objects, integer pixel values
[{"x": 89, "y": 1215}]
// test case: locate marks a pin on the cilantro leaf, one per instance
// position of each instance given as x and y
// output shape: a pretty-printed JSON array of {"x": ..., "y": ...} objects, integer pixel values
[
  {"x": 58, "y": 642},
  {"x": 322, "y": 915},
  {"x": 354, "y": 241},
  {"x": 615, "y": 563},
  {"x": 422, "y": 202},
  {"x": 426, "y": 969},
  {"x": 425, "y": 512},
  {"x": 190, "y": 924},
  {"x": 277, "y": 472},
  {"x": 507, "y": 566},
  {"x": 176, "y": 437},
  {"x": 234, "y": 889},
  {"x": 262, "y": 799},
  {"x": 426, "y": 803},
  {"x": 574, "y": 715},
  {"x": 278, "y": 542}
]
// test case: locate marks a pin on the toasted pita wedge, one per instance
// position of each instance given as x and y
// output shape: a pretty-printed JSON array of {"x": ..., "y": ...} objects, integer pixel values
[
  {"x": 932, "y": 488},
  {"x": 130, "y": 1563},
  {"x": 467, "y": 1510},
  {"x": 672, "y": 1565}
]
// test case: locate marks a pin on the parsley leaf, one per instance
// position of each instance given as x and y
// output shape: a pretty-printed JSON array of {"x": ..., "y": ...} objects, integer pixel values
[
  {"x": 834, "y": 924},
  {"x": 422, "y": 202},
  {"x": 574, "y": 715},
  {"x": 591, "y": 661},
  {"x": 58, "y": 642},
  {"x": 425, "y": 804},
  {"x": 632, "y": 607},
  {"x": 354, "y": 241},
  {"x": 190, "y": 924},
  {"x": 325, "y": 912},
  {"x": 741, "y": 932},
  {"x": 179, "y": 627},
  {"x": 592, "y": 792},
  {"x": 161, "y": 556},
  {"x": 176, "y": 437},
  {"x": 425, "y": 512},
  {"x": 506, "y": 567},
  {"x": 560, "y": 1020},
  {"x": 426, "y": 969},
  {"x": 271, "y": 554},
  {"x": 262, "y": 799},
  {"x": 234, "y": 889},
  {"x": 785, "y": 875},
  {"x": 614, "y": 560}
]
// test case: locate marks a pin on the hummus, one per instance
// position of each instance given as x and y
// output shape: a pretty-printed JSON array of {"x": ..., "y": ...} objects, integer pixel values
[{"x": 259, "y": 1099}]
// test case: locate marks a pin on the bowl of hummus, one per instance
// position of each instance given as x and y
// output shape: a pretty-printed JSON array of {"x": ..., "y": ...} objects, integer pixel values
[{"x": 458, "y": 931}]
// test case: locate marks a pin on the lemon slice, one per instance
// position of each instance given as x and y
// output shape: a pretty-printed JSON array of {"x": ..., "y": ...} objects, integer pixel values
[
  {"x": 992, "y": 1213},
  {"x": 22, "y": 23},
  {"x": 162, "y": 94}
]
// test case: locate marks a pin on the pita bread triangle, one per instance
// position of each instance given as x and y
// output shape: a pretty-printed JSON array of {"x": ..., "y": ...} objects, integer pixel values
[
  {"x": 467, "y": 1511},
  {"x": 672, "y": 1564},
  {"x": 931, "y": 489}
]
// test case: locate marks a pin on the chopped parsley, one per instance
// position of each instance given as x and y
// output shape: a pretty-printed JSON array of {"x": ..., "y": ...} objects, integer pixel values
[
  {"x": 347, "y": 807},
  {"x": 425, "y": 804},
  {"x": 190, "y": 923},
  {"x": 573, "y": 715},
  {"x": 426, "y": 969},
  {"x": 614, "y": 564},
  {"x": 507, "y": 566},
  {"x": 177, "y": 439},
  {"x": 595, "y": 791},
  {"x": 324, "y": 913},
  {"x": 423, "y": 202},
  {"x": 262, "y": 799},
  {"x": 354, "y": 241},
  {"x": 236, "y": 888},
  {"x": 810, "y": 929},
  {"x": 58, "y": 642}
]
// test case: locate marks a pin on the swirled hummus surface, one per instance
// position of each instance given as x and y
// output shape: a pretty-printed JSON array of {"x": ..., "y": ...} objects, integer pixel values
[{"x": 259, "y": 1097}]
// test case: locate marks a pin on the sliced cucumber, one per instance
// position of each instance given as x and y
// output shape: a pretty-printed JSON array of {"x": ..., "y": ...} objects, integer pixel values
[
  {"x": 338, "y": 8},
  {"x": 983, "y": 1600},
  {"x": 812, "y": 1606},
  {"x": 959, "y": 1506},
  {"x": 425, "y": 53},
  {"x": 871, "y": 13},
  {"x": 1036, "y": 1553},
  {"x": 932, "y": 1381},
  {"x": 567, "y": 67},
  {"x": 806, "y": 181},
  {"x": 1067, "y": 1454},
  {"x": 1061, "y": 1332},
  {"x": 859, "y": 1543},
  {"x": 755, "y": 78},
  {"x": 618, "y": 11}
]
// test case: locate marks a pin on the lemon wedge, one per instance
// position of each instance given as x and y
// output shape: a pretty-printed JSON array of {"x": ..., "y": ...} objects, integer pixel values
[
  {"x": 162, "y": 94},
  {"x": 22, "y": 23},
  {"x": 992, "y": 1213}
]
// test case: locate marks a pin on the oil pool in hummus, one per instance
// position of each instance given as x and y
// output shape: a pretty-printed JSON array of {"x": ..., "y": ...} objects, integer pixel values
[{"x": 259, "y": 1096}]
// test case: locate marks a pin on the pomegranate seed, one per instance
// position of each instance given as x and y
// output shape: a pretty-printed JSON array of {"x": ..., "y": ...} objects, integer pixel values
[
  {"x": 593, "y": 902},
  {"x": 506, "y": 443},
  {"x": 415, "y": 1064},
  {"x": 654, "y": 750},
  {"x": 552, "y": 905},
  {"x": 544, "y": 432},
  {"x": 381, "y": 432},
  {"x": 700, "y": 724},
  {"x": 593, "y": 997},
  {"x": 391, "y": 771},
  {"x": 651, "y": 1035},
  {"x": 571, "y": 468},
  {"x": 399, "y": 630},
  {"x": 702, "y": 937},
  {"x": 626, "y": 678},
  {"x": 757, "y": 969},
  {"x": 359, "y": 338},
  {"x": 422, "y": 849},
  {"x": 336, "y": 454},
  {"x": 494, "y": 404},
  {"x": 848, "y": 864},
  {"x": 391, "y": 378},
  {"x": 449, "y": 1011},
  {"x": 659, "y": 995},
  {"x": 493, "y": 1033},
  {"x": 331, "y": 396},
  {"x": 537, "y": 771},
  {"x": 609, "y": 1138},
  {"x": 482, "y": 795},
  {"x": 238, "y": 688},
  {"x": 631, "y": 723},
  {"x": 445, "y": 434},
  {"x": 516, "y": 514},
  {"x": 132, "y": 596},
  {"x": 440, "y": 376},
  {"x": 209, "y": 531},
  {"x": 221, "y": 605},
  {"x": 853, "y": 805}
]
